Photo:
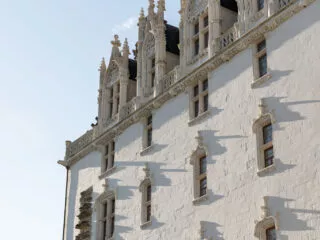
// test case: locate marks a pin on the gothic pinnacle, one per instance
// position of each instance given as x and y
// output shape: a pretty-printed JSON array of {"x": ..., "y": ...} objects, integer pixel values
[
  {"x": 125, "y": 47},
  {"x": 161, "y": 5},
  {"x": 102, "y": 65},
  {"x": 116, "y": 42},
  {"x": 141, "y": 14},
  {"x": 151, "y": 7}
]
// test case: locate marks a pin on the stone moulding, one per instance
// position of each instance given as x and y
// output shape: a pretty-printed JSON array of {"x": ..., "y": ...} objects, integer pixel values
[{"x": 88, "y": 142}]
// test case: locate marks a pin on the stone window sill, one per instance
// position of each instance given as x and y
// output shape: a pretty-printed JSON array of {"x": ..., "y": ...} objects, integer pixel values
[
  {"x": 198, "y": 118},
  {"x": 146, "y": 150},
  {"x": 266, "y": 170},
  {"x": 146, "y": 224},
  {"x": 260, "y": 80},
  {"x": 200, "y": 199},
  {"x": 108, "y": 172}
]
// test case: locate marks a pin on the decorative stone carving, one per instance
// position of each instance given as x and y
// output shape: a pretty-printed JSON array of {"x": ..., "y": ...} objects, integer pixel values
[{"x": 195, "y": 8}]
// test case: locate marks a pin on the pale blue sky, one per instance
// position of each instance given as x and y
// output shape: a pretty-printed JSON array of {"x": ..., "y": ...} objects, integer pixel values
[{"x": 50, "y": 52}]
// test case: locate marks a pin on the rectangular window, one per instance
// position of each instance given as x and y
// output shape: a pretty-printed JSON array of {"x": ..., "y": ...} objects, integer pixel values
[
  {"x": 268, "y": 157},
  {"x": 267, "y": 134},
  {"x": 203, "y": 165},
  {"x": 203, "y": 187},
  {"x": 153, "y": 75},
  {"x": 108, "y": 156},
  {"x": 260, "y": 4},
  {"x": 200, "y": 98},
  {"x": 271, "y": 234},
  {"x": 262, "y": 58},
  {"x": 112, "y": 215},
  {"x": 149, "y": 193},
  {"x": 149, "y": 132}
]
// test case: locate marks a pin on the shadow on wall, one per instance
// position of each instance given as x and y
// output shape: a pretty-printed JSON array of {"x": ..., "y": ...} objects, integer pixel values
[
  {"x": 211, "y": 230},
  {"x": 288, "y": 218},
  {"x": 276, "y": 75},
  {"x": 298, "y": 24},
  {"x": 283, "y": 112}
]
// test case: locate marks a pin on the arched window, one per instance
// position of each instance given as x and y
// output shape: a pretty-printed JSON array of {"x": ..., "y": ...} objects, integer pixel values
[
  {"x": 146, "y": 198},
  {"x": 199, "y": 162},
  {"x": 263, "y": 128},
  {"x": 105, "y": 211}
]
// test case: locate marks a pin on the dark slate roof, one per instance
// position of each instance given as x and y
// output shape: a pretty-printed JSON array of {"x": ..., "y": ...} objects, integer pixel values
[
  {"x": 172, "y": 38},
  {"x": 132, "y": 69},
  {"x": 230, "y": 4}
]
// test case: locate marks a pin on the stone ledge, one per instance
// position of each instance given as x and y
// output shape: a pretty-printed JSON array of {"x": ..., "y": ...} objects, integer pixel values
[
  {"x": 146, "y": 224},
  {"x": 261, "y": 80},
  {"x": 108, "y": 172},
  {"x": 264, "y": 171},
  {"x": 199, "y": 118},
  {"x": 146, "y": 150},
  {"x": 200, "y": 199}
]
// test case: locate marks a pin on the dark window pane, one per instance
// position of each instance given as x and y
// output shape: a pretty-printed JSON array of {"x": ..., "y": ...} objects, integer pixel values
[
  {"x": 112, "y": 227},
  {"x": 268, "y": 157},
  {"x": 152, "y": 79},
  {"x": 205, "y": 102},
  {"x": 262, "y": 65},
  {"x": 196, "y": 28},
  {"x": 111, "y": 92},
  {"x": 106, "y": 162},
  {"x": 205, "y": 21},
  {"x": 203, "y": 187},
  {"x": 105, "y": 209},
  {"x": 148, "y": 213},
  {"x": 195, "y": 90},
  {"x": 205, "y": 85},
  {"x": 104, "y": 229},
  {"x": 271, "y": 233},
  {"x": 112, "y": 160},
  {"x": 149, "y": 193},
  {"x": 113, "y": 202},
  {"x": 149, "y": 120},
  {"x": 260, "y": 4},
  {"x": 203, "y": 165},
  {"x": 149, "y": 140},
  {"x": 196, "y": 108},
  {"x": 111, "y": 109},
  {"x": 196, "y": 47},
  {"x": 153, "y": 62},
  {"x": 267, "y": 134},
  {"x": 118, "y": 87},
  {"x": 261, "y": 46},
  {"x": 113, "y": 146},
  {"x": 206, "y": 39},
  {"x": 107, "y": 149},
  {"x": 117, "y": 104}
]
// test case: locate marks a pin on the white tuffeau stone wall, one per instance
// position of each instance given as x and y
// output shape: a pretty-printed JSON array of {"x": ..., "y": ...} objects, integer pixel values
[{"x": 235, "y": 190}]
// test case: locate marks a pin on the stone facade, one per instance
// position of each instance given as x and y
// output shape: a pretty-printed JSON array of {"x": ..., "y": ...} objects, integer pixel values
[{"x": 244, "y": 198}]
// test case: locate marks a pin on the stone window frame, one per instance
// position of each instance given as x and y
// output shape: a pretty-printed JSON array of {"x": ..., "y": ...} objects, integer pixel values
[
  {"x": 257, "y": 55},
  {"x": 200, "y": 152},
  {"x": 108, "y": 199},
  {"x": 262, "y": 226},
  {"x": 147, "y": 127},
  {"x": 266, "y": 118},
  {"x": 202, "y": 98},
  {"x": 108, "y": 159},
  {"x": 200, "y": 34},
  {"x": 144, "y": 187}
]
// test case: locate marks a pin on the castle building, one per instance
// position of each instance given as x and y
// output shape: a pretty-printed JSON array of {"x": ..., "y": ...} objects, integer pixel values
[{"x": 210, "y": 132}]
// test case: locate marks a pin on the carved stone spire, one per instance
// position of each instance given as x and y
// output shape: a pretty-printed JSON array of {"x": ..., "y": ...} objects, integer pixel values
[
  {"x": 161, "y": 6},
  {"x": 141, "y": 14},
  {"x": 151, "y": 8},
  {"x": 103, "y": 66},
  {"x": 125, "y": 48}
]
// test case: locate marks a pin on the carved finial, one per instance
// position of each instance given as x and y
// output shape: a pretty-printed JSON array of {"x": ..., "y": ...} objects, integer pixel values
[
  {"x": 199, "y": 139},
  {"x": 68, "y": 143},
  {"x": 116, "y": 42},
  {"x": 146, "y": 169},
  {"x": 103, "y": 66},
  {"x": 264, "y": 208},
  {"x": 106, "y": 183},
  {"x": 161, "y": 6},
  {"x": 151, "y": 7},
  {"x": 141, "y": 14},
  {"x": 125, "y": 47},
  {"x": 263, "y": 107}
]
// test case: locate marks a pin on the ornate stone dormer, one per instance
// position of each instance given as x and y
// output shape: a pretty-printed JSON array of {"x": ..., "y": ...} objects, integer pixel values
[
  {"x": 158, "y": 51},
  {"x": 117, "y": 83}
]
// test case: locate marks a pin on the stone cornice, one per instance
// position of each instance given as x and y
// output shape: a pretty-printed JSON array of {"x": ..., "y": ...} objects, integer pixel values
[{"x": 189, "y": 78}]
